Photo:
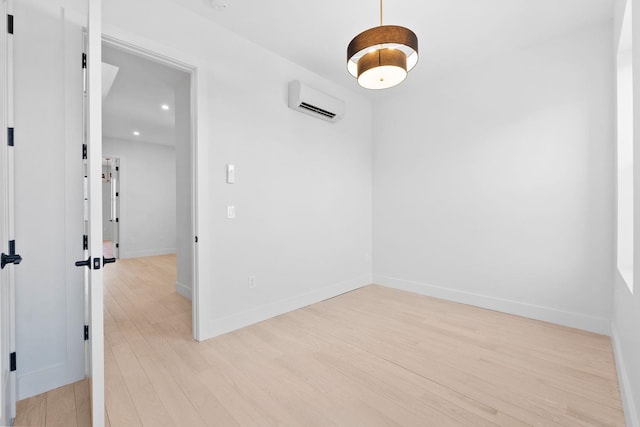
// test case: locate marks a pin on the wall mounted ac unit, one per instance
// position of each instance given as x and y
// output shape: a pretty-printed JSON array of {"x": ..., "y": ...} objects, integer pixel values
[{"x": 315, "y": 103}]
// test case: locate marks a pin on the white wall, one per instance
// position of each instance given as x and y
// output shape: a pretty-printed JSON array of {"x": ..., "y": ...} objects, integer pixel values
[
  {"x": 303, "y": 186},
  {"x": 626, "y": 305},
  {"x": 624, "y": 159},
  {"x": 147, "y": 197},
  {"x": 494, "y": 185}
]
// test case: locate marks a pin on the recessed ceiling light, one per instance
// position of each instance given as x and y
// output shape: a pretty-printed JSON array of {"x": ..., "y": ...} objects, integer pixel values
[
  {"x": 165, "y": 107},
  {"x": 136, "y": 133}
]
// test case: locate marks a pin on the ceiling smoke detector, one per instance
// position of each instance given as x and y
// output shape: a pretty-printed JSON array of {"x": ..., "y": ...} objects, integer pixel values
[{"x": 219, "y": 4}]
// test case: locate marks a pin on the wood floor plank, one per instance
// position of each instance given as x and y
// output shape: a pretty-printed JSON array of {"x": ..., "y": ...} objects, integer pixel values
[
  {"x": 206, "y": 404},
  {"x": 83, "y": 403},
  {"x": 121, "y": 409},
  {"x": 32, "y": 411},
  {"x": 148, "y": 405},
  {"x": 61, "y": 407},
  {"x": 179, "y": 407}
]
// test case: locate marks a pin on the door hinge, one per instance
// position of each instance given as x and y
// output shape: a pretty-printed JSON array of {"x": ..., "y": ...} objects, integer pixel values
[
  {"x": 84, "y": 60},
  {"x": 117, "y": 194},
  {"x": 12, "y": 247},
  {"x": 196, "y": 239},
  {"x": 86, "y": 332},
  {"x": 10, "y": 24},
  {"x": 10, "y": 141},
  {"x": 117, "y": 168},
  {"x": 117, "y": 245},
  {"x": 84, "y": 151},
  {"x": 85, "y": 242},
  {"x": 117, "y": 219},
  {"x": 12, "y": 362}
]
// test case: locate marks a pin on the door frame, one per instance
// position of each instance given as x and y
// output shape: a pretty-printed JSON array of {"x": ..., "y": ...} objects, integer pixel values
[
  {"x": 92, "y": 159},
  {"x": 114, "y": 202},
  {"x": 192, "y": 71}
]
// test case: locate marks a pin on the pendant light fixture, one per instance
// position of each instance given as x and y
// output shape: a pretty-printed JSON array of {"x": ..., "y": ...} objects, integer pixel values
[{"x": 381, "y": 57}]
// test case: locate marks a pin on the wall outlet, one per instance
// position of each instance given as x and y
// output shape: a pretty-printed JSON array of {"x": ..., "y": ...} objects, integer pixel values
[{"x": 252, "y": 282}]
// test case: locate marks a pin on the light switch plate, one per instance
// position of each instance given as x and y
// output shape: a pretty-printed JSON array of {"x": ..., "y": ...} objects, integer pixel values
[{"x": 231, "y": 174}]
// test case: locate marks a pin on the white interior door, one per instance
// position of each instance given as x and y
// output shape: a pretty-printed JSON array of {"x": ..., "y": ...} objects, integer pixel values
[
  {"x": 114, "y": 170},
  {"x": 9, "y": 257},
  {"x": 94, "y": 282},
  {"x": 48, "y": 109}
]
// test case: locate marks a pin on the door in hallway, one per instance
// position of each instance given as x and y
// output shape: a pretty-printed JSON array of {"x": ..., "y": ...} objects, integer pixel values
[{"x": 7, "y": 236}]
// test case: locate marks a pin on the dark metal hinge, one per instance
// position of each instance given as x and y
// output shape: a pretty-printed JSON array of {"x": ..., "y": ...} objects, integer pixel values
[
  {"x": 10, "y": 141},
  {"x": 12, "y": 362},
  {"x": 86, "y": 332},
  {"x": 85, "y": 242},
  {"x": 10, "y": 24},
  {"x": 196, "y": 239},
  {"x": 117, "y": 219},
  {"x": 117, "y": 194},
  {"x": 84, "y": 60},
  {"x": 84, "y": 151},
  {"x": 12, "y": 247},
  {"x": 117, "y": 245},
  {"x": 117, "y": 168}
]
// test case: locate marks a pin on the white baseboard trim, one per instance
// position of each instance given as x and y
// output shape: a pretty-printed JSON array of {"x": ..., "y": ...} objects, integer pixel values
[
  {"x": 216, "y": 327},
  {"x": 546, "y": 314},
  {"x": 33, "y": 383},
  {"x": 146, "y": 252},
  {"x": 183, "y": 290},
  {"x": 626, "y": 393}
]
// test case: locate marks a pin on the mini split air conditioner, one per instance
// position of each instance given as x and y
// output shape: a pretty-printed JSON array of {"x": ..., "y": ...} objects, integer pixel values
[{"x": 310, "y": 101}]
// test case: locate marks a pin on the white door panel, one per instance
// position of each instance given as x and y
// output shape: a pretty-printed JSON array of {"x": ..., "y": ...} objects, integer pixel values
[
  {"x": 9, "y": 257},
  {"x": 48, "y": 167}
]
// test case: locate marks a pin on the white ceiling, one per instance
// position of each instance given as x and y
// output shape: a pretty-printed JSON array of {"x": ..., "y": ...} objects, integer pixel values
[
  {"x": 134, "y": 101},
  {"x": 315, "y": 34}
]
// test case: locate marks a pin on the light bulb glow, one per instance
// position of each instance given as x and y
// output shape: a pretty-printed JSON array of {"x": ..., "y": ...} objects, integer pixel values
[{"x": 382, "y": 77}]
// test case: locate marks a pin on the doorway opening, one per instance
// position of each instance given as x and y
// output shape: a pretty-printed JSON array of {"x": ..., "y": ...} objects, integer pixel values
[
  {"x": 111, "y": 207},
  {"x": 148, "y": 147}
]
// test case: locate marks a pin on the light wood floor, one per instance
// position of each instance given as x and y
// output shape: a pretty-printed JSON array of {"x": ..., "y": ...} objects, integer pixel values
[
  {"x": 64, "y": 406},
  {"x": 371, "y": 357}
]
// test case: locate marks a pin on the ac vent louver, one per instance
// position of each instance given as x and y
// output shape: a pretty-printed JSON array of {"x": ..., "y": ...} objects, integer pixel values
[
  {"x": 317, "y": 110},
  {"x": 310, "y": 101}
]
